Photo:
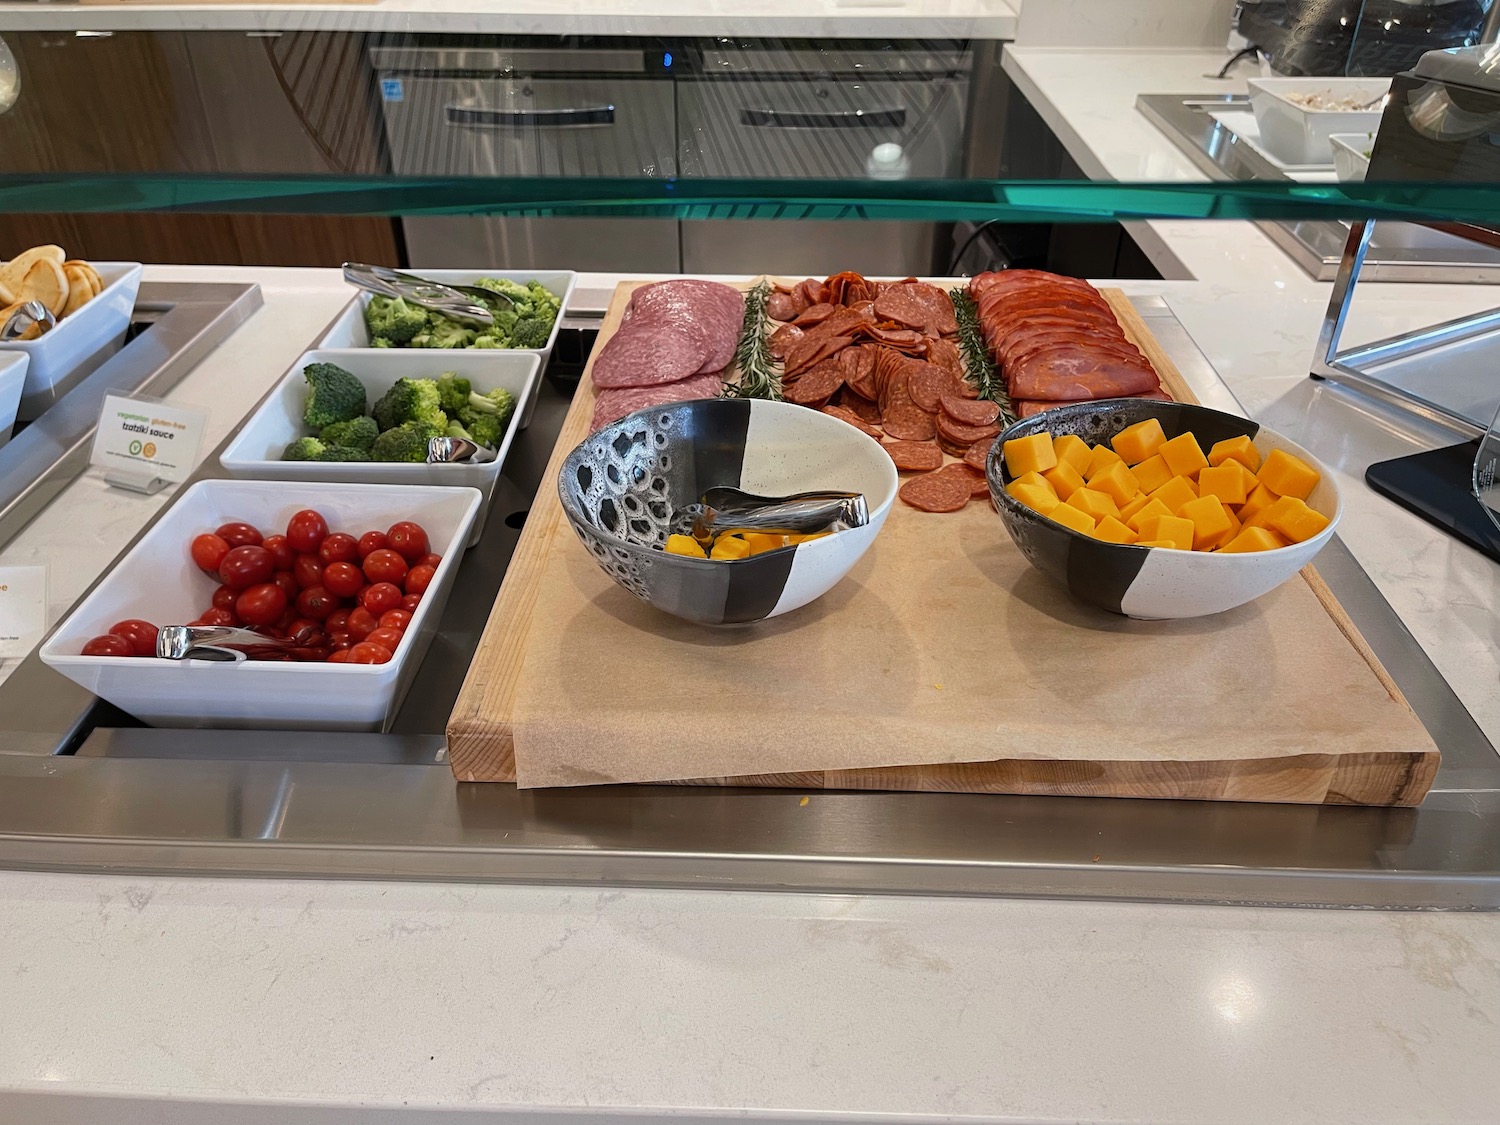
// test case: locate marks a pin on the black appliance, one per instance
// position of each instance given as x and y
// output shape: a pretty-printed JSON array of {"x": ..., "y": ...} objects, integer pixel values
[
  {"x": 1357, "y": 37},
  {"x": 1442, "y": 121}
]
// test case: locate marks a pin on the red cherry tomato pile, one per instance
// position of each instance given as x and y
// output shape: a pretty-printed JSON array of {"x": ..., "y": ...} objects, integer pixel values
[{"x": 346, "y": 600}]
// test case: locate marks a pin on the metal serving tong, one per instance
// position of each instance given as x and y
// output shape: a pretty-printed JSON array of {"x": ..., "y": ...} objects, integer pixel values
[
  {"x": 801, "y": 514},
  {"x": 457, "y": 450},
  {"x": 222, "y": 643},
  {"x": 462, "y": 302},
  {"x": 32, "y": 312}
]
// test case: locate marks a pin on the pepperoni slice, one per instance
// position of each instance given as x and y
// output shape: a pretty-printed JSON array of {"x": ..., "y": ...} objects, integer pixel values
[
  {"x": 867, "y": 411},
  {"x": 844, "y": 414},
  {"x": 978, "y": 485},
  {"x": 960, "y": 434},
  {"x": 930, "y": 384},
  {"x": 816, "y": 385},
  {"x": 914, "y": 456},
  {"x": 781, "y": 306},
  {"x": 942, "y": 491},
  {"x": 971, "y": 412},
  {"x": 978, "y": 455}
]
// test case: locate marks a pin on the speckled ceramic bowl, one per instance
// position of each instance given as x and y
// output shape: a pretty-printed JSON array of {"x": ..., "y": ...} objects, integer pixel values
[
  {"x": 1153, "y": 582},
  {"x": 622, "y": 485}
]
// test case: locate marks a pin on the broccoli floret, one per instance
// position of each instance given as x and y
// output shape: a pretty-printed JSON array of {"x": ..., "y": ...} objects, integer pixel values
[
  {"x": 409, "y": 400},
  {"x": 530, "y": 332},
  {"x": 485, "y": 416},
  {"x": 518, "y": 293},
  {"x": 443, "y": 333},
  {"x": 342, "y": 453},
  {"x": 303, "y": 449},
  {"x": 453, "y": 392},
  {"x": 392, "y": 321},
  {"x": 406, "y": 442},
  {"x": 333, "y": 395},
  {"x": 489, "y": 342},
  {"x": 456, "y": 429},
  {"x": 357, "y": 433}
]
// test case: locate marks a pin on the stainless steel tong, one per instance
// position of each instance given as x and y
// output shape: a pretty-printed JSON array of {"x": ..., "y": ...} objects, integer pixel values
[
  {"x": 801, "y": 514},
  {"x": 225, "y": 644},
  {"x": 462, "y": 302},
  {"x": 32, "y": 312}
]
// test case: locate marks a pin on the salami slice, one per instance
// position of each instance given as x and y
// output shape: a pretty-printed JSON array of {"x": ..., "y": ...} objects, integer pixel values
[
  {"x": 946, "y": 355},
  {"x": 917, "y": 305},
  {"x": 781, "y": 306},
  {"x": 978, "y": 485},
  {"x": 782, "y": 340},
  {"x": 907, "y": 422},
  {"x": 930, "y": 384},
  {"x": 814, "y": 314},
  {"x": 866, "y": 410},
  {"x": 942, "y": 491},
  {"x": 978, "y": 455},
  {"x": 816, "y": 385},
  {"x": 844, "y": 414},
  {"x": 914, "y": 456},
  {"x": 971, "y": 412},
  {"x": 648, "y": 357},
  {"x": 614, "y": 404},
  {"x": 960, "y": 434}
]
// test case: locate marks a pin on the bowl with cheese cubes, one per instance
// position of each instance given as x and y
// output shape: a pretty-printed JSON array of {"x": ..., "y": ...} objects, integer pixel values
[{"x": 1160, "y": 509}]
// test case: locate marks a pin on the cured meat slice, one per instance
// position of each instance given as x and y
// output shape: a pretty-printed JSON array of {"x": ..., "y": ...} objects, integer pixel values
[
  {"x": 648, "y": 357},
  {"x": 816, "y": 385},
  {"x": 812, "y": 292},
  {"x": 614, "y": 404},
  {"x": 902, "y": 339},
  {"x": 914, "y": 456},
  {"x": 867, "y": 410},
  {"x": 780, "y": 341},
  {"x": 978, "y": 455},
  {"x": 810, "y": 350},
  {"x": 971, "y": 412},
  {"x": 960, "y": 434},
  {"x": 946, "y": 490},
  {"x": 858, "y": 368},
  {"x": 814, "y": 314},
  {"x": 918, "y": 305},
  {"x": 781, "y": 306},
  {"x": 848, "y": 287},
  {"x": 1025, "y": 408},
  {"x": 1078, "y": 374},
  {"x": 945, "y": 354},
  {"x": 841, "y": 322},
  {"x": 978, "y": 484},
  {"x": 1003, "y": 279},
  {"x": 930, "y": 383},
  {"x": 1020, "y": 344},
  {"x": 843, "y": 413},
  {"x": 906, "y": 421}
]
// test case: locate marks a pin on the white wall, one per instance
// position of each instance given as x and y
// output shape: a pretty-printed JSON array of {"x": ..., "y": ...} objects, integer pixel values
[{"x": 1124, "y": 23}]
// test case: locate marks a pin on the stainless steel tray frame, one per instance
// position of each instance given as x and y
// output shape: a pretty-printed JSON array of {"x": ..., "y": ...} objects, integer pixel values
[{"x": 83, "y": 789}]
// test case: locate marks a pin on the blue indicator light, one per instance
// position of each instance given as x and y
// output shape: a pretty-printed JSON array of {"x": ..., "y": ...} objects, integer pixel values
[{"x": 666, "y": 59}]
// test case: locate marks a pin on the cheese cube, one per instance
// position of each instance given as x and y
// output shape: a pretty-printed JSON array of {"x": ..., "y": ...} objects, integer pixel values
[
  {"x": 1239, "y": 449},
  {"x": 1175, "y": 493},
  {"x": 1234, "y": 529},
  {"x": 1101, "y": 457},
  {"x": 1074, "y": 450},
  {"x": 1286, "y": 475},
  {"x": 1070, "y": 517},
  {"x": 1094, "y": 504},
  {"x": 1252, "y": 539},
  {"x": 1036, "y": 479},
  {"x": 1136, "y": 443},
  {"x": 1245, "y": 475},
  {"x": 1172, "y": 529},
  {"x": 1130, "y": 509},
  {"x": 1293, "y": 519},
  {"x": 1258, "y": 500},
  {"x": 1117, "y": 482},
  {"x": 1156, "y": 543},
  {"x": 1152, "y": 507},
  {"x": 1112, "y": 530},
  {"x": 761, "y": 541},
  {"x": 1210, "y": 521},
  {"x": 1152, "y": 473},
  {"x": 1183, "y": 455},
  {"x": 1032, "y": 454},
  {"x": 1039, "y": 498},
  {"x": 730, "y": 547},
  {"x": 684, "y": 545},
  {"x": 1226, "y": 482},
  {"x": 1064, "y": 479}
]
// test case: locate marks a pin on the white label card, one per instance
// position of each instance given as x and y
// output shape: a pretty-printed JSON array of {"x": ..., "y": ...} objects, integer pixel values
[
  {"x": 23, "y": 609},
  {"x": 147, "y": 438}
]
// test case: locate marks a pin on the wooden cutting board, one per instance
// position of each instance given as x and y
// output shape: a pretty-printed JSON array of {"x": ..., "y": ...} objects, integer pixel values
[{"x": 1311, "y": 769}]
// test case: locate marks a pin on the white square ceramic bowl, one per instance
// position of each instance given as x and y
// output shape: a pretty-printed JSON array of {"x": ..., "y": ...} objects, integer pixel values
[
  {"x": 80, "y": 342},
  {"x": 157, "y": 581},
  {"x": 12, "y": 379},
  {"x": 255, "y": 451},
  {"x": 349, "y": 330},
  {"x": 1300, "y": 136},
  {"x": 1349, "y": 159}
]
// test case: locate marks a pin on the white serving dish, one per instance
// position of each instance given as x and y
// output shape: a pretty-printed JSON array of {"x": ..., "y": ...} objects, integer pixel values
[
  {"x": 1349, "y": 159},
  {"x": 157, "y": 581},
  {"x": 1301, "y": 136},
  {"x": 12, "y": 379},
  {"x": 255, "y": 451},
  {"x": 81, "y": 341},
  {"x": 349, "y": 330}
]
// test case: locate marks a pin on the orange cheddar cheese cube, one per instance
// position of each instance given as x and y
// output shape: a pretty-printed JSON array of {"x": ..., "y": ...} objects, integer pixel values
[
  {"x": 1239, "y": 449},
  {"x": 1226, "y": 482},
  {"x": 1070, "y": 517},
  {"x": 1252, "y": 539},
  {"x": 1286, "y": 475},
  {"x": 1210, "y": 521},
  {"x": 1074, "y": 450},
  {"x": 1064, "y": 479},
  {"x": 1245, "y": 475},
  {"x": 1094, "y": 504},
  {"x": 1293, "y": 519},
  {"x": 1101, "y": 457},
  {"x": 1153, "y": 507},
  {"x": 1038, "y": 497},
  {"x": 1156, "y": 543},
  {"x": 1136, "y": 443},
  {"x": 1175, "y": 493},
  {"x": 1152, "y": 473},
  {"x": 1036, "y": 479},
  {"x": 1170, "y": 529},
  {"x": 1259, "y": 499},
  {"x": 1032, "y": 454},
  {"x": 1112, "y": 530},
  {"x": 1117, "y": 482},
  {"x": 1234, "y": 529},
  {"x": 685, "y": 545},
  {"x": 1183, "y": 455},
  {"x": 1130, "y": 509},
  {"x": 729, "y": 547}
]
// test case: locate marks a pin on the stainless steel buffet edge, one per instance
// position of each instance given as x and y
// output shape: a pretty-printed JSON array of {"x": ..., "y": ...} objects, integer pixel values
[{"x": 83, "y": 788}]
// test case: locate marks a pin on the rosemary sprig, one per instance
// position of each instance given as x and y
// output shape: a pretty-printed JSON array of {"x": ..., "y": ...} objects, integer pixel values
[
  {"x": 759, "y": 377},
  {"x": 977, "y": 364}
]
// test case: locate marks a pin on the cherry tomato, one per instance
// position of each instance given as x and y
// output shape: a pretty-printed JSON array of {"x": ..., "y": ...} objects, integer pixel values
[
  {"x": 366, "y": 653},
  {"x": 308, "y": 571},
  {"x": 339, "y": 638},
  {"x": 306, "y": 531},
  {"x": 410, "y": 602},
  {"x": 339, "y": 656},
  {"x": 219, "y": 617},
  {"x": 430, "y": 560},
  {"x": 288, "y": 585},
  {"x": 281, "y": 548},
  {"x": 316, "y": 603},
  {"x": 339, "y": 547},
  {"x": 110, "y": 645},
  {"x": 395, "y": 619},
  {"x": 224, "y": 597},
  {"x": 385, "y": 638},
  {"x": 261, "y": 605},
  {"x": 312, "y": 653},
  {"x": 418, "y": 579},
  {"x": 140, "y": 634},
  {"x": 239, "y": 534},
  {"x": 208, "y": 552},
  {"x": 371, "y": 541},
  {"x": 337, "y": 621},
  {"x": 381, "y": 597},
  {"x": 343, "y": 578},
  {"x": 361, "y": 624},
  {"x": 385, "y": 565},
  {"x": 247, "y": 566},
  {"x": 407, "y": 539},
  {"x": 300, "y": 624}
]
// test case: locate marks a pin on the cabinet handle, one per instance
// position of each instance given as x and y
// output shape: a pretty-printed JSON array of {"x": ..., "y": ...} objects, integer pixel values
[
  {"x": 519, "y": 118},
  {"x": 852, "y": 119}
]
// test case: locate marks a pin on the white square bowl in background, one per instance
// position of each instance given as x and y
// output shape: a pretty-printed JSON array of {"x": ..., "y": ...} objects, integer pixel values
[
  {"x": 157, "y": 581},
  {"x": 12, "y": 379},
  {"x": 349, "y": 330},
  {"x": 1301, "y": 136},
  {"x": 81, "y": 341},
  {"x": 1350, "y": 159},
  {"x": 255, "y": 452}
]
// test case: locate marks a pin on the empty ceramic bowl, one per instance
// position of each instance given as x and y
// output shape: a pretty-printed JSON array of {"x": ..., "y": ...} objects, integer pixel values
[
  {"x": 1153, "y": 582},
  {"x": 624, "y": 483}
]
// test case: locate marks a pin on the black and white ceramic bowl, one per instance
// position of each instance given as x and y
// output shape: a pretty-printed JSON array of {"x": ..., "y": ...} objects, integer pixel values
[
  {"x": 1153, "y": 582},
  {"x": 622, "y": 484}
]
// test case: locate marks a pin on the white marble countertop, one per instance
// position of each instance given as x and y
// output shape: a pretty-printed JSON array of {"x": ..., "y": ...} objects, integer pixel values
[
  {"x": 131, "y": 1000},
  {"x": 825, "y": 19}
]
